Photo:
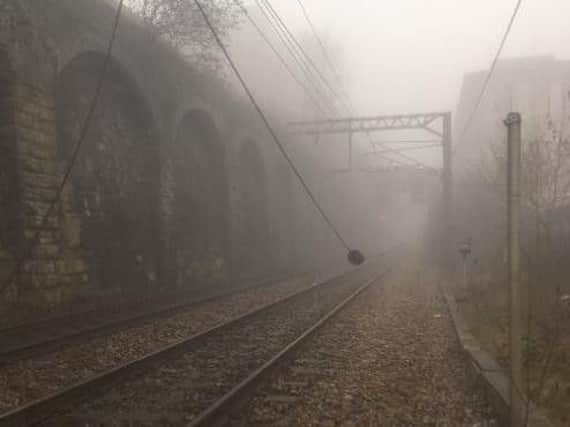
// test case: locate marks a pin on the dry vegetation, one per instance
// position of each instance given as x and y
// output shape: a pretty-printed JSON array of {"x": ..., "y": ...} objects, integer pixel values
[
  {"x": 545, "y": 261},
  {"x": 390, "y": 359}
]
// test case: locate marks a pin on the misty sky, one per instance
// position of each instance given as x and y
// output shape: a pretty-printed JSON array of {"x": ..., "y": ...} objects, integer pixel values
[{"x": 410, "y": 55}]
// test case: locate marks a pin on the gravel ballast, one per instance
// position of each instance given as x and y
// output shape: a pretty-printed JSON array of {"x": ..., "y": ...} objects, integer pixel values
[
  {"x": 175, "y": 391},
  {"x": 390, "y": 359},
  {"x": 30, "y": 379}
]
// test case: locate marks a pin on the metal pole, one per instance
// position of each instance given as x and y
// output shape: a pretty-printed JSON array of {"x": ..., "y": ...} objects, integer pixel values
[
  {"x": 513, "y": 123},
  {"x": 350, "y": 151},
  {"x": 465, "y": 273},
  {"x": 447, "y": 177}
]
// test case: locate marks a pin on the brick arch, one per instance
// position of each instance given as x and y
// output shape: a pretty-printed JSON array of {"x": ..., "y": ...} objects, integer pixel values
[
  {"x": 116, "y": 178},
  {"x": 253, "y": 210},
  {"x": 198, "y": 229},
  {"x": 9, "y": 183}
]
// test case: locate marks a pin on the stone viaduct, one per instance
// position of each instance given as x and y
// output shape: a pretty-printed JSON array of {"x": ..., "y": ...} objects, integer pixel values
[{"x": 177, "y": 183}]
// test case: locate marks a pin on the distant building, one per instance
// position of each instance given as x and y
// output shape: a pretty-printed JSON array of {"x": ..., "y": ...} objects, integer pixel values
[{"x": 537, "y": 87}]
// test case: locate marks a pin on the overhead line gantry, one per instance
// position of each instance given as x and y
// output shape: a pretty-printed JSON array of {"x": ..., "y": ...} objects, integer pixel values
[{"x": 437, "y": 124}]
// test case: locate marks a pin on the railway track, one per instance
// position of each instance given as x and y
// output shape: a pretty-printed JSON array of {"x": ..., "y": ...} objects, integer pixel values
[
  {"x": 35, "y": 377},
  {"x": 33, "y": 339},
  {"x": 176, "y": 383},
  {"x": 389, "y": 358},
  {"x": 219, "y": 412}
]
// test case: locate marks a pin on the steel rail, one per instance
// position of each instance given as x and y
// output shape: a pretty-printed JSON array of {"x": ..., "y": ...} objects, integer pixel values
[
  {"x": 221, "y": 408},
  {"x": 57, "y": 342},
  {"x": 30, "y": 324},
  {"x": 43, "y": 409}
]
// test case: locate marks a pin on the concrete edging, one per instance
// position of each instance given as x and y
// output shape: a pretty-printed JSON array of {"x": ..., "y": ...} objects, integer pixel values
[{"x": 485, "y": 370}]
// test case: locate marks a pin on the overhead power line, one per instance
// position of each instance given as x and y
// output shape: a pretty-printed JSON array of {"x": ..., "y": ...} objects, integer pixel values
[
  {"x": 317, "y": 71},
  {"x": 407, "y": 141},
  {"x": 297, "y": 57},
  {"x": 301, "y": 58},
  {"x": 74, "y": 155},
  {"x": 287, "y": 39},
  {"x": 401, "y": 149},
  {"x": 491, "y": 70},
  {"x": 269, "y": 127},
  {"x": 328, "y": 58},
  {"x": 282, "y": 60},
  {"x": 332, "y": 66},
  {"x": 389, "y": 150}
]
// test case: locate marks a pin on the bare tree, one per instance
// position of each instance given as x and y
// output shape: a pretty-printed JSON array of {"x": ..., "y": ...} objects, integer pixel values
[
  {"x": 545, "y": 206},
  {"x": 181, "y": 23}
]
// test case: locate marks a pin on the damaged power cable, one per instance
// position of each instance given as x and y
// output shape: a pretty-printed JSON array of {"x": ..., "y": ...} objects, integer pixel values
[{"x": 355, "y": 257}]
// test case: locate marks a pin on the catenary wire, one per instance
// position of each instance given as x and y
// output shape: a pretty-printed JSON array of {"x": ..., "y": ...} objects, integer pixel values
[
  {"x": 269, "y": 127},
  {"x": 297, "y": 57},
  {"x": 282, "y": 60},
  {"x": 285, "y": 36},
  {"x": 308, "y": 59},
  {"x": 401, "y": 149},
  {"x": 305, "y": 58},
  {"x": 408, "y": 158},
  {"x": 348, "y": 104},
  {"x": 491, "y": 70},
  {"x": 326, "y": 55}
]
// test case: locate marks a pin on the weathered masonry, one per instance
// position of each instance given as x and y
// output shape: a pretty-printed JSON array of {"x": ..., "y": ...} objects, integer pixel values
[{"x": 176, "y": 183}]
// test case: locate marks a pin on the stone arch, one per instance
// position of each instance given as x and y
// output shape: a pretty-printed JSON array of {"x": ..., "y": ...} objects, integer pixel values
[
  {"x": 198, "y": 229},
  {"x": 9, "y": 183},
  {"x": 253, "y": 210},
  {"x": 116, "y": 179}
]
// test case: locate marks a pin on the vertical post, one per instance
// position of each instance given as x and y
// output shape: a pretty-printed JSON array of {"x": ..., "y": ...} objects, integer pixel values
[
  {"x": 465, "y": 284},
  {"x": 465, "y": 250},
  {"x": 513, "y": 123},
  {"x": 447, "y": 183},
  {"x": 350, "y": 149}
]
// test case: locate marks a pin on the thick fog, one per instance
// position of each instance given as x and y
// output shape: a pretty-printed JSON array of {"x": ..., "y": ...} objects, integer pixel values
[{"x": 409, "y": 56}]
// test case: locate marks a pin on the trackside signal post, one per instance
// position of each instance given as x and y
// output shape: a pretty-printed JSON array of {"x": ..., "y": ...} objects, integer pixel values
[
  {"x": 465, "y": 250},
  {"x": 447, "y": 190},
  {"x": 436, "y": 124}
]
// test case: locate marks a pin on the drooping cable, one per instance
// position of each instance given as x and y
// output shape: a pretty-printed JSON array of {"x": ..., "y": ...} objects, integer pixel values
[
  {"x": 390, "y": 150},
  {"x": 287, "y": 39},
  {"x": 269, "y": 127},
  {"x": 31, "y": 245},
  {"x": 491, "y": 70}
]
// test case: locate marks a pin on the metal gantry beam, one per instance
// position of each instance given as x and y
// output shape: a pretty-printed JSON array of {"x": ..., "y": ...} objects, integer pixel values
[
  {"x": 370, "y": 124},
  {"x": 399, "y": 150},
  {"x": 436, "y": 123}
]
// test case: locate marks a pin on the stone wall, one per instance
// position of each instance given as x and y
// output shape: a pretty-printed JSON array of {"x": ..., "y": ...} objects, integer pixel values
[
  {"x": 116, "y": 176},
  {"x": 150, "y": 201},
  {"x": 53, "y": 267},
  {"x": 9, "y": 177}
]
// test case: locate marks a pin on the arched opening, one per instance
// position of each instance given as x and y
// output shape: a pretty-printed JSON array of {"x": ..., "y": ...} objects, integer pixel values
[
  {"x": 199, "y": 229},
  {"x": 286, "y": 217},
  {"x": 254, "y": 225},
  {"x": 9, "y": 186},
  {"x": 115, "y": 180}
]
